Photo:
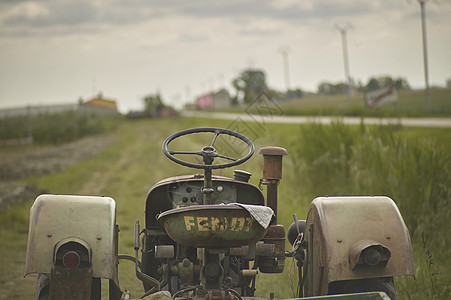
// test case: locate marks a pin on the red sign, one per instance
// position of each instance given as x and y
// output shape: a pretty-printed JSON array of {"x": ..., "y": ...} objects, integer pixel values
[{"x": 376, "y": 98}]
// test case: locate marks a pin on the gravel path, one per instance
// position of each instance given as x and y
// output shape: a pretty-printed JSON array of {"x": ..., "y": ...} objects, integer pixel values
[{"x": 18, "y": 165}]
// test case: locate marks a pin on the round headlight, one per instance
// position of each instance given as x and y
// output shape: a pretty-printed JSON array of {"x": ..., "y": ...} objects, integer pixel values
[
  {"x": 71, "y": 259},
  {"x": 372, "y": 257}
]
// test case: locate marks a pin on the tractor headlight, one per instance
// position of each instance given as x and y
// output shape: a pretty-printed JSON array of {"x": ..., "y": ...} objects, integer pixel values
[
  {"x": 71, "y": 260},
  {"x": 371, "y": 256},
  {"x": 369, "y": 253}
]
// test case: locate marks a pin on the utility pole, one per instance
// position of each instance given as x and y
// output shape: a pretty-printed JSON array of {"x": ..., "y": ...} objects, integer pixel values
[
  {"x": 284, "y": 51},
  {"x": 425, "y": 53},
  {"x": 343, "y": 29}
]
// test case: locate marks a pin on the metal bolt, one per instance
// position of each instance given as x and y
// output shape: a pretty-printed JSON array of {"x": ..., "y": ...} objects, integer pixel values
[
  {"x": 339, "y": 241},
  {"x": 99, "y": 238},
  {"x": 49, "y": 235},
  {"x": 186, "y": 262},
  {"x": 388, "y": 237}
]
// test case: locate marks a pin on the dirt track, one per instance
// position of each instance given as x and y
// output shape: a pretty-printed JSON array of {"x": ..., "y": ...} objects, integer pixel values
[{"x": 26, "y": 162}]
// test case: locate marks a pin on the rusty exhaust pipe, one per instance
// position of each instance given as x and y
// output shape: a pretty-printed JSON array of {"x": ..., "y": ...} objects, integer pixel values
[{"x": 272, "y": 174}]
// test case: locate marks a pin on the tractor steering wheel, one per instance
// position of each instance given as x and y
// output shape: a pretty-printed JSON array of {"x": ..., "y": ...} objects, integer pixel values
[{"x": 208, "y": 153}]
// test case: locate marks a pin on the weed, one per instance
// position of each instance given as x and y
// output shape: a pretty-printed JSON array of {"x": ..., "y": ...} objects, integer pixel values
[{"x": 344, "y": 160}]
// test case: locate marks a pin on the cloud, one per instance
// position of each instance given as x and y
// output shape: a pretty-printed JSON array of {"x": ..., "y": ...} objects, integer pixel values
[
  {"x": 56, "y": 16},
  {"x": 194, "y": 38},
  {"x": 50, "y": 16},
  {"x": 49, "y": 13}
]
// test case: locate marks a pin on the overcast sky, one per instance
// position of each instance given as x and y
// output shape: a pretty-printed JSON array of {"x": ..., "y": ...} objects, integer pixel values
[{"x": 56, "y": 51}]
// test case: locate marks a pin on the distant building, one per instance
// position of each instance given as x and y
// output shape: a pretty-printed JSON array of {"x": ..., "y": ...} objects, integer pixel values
[
  {"x": 101, "y": 105},
  {"x": 220, "y": 99},
  {"x": 96, "y": 104},
  {"x": 205, "y": 101}
]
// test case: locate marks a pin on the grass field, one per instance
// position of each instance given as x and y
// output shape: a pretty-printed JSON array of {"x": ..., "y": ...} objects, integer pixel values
[
  {"x": 410, "y": 165},
  {"x": 410, "y": 104}
]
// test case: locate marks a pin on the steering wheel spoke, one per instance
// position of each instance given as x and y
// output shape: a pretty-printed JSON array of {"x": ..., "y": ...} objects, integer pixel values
[
  {"x": 186, "y": 152},
  {"x": 225, "y": 157},
  {"x": 217, "y": 133}
]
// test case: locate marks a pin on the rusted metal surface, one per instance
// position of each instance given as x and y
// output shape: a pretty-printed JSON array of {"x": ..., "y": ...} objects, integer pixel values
[
  {"x": 57, "y": 218},
  {"x": 272, "y": 162},
  {"x": 186, "y": 190},
  {"x": 211, "y": 226},
  {"x": 272, "y": 150},
  {"x": 70, "y": 284},
  {"x": 241, "y": 175},
  {"x": 274, "y": 263},
  {"x": 272, "y": 173},
  {"x": 335, "y": 224},
  {"x": 194, "y": 180}
]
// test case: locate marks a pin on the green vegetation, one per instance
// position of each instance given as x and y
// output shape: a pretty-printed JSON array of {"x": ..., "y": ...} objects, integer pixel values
[
  {"x": 410, "y": 104},
  {"x": 374, "y": 83},
  {"x": 56, "y": 128},
  {"x": 412, "y": 166},
  {"x": 251, "y": 83},
  {"x": 344, "y": 160}
]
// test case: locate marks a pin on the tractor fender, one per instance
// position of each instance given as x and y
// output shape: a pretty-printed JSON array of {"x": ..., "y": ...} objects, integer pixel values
[
  {"x": 90, "y": 221},
  {"x": 354, "y": 238}
]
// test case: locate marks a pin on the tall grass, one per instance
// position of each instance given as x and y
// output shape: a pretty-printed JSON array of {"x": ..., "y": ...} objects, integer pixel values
[
  {"x": 56, "y": 128},
  {"x": 343, "y": 160}
]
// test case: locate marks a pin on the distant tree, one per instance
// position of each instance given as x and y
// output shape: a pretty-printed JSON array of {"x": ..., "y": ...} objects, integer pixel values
[
  {"x": 375, "y": 83},
  {"x": 153, "y": 104},
  {"x": 401, "y": 84},
  {"x": 249, "y": 84},
  {"x": 327, "y": 88},
  {"x": 293, "y": 94},
  {"x": 448, "y": 83}
]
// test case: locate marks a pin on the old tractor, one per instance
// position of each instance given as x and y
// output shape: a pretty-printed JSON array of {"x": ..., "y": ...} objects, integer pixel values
[{"x": 207, "y": 237}]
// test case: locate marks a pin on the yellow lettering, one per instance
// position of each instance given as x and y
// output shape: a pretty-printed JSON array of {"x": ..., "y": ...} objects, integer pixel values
[
  {"x": 216, "y": 224},
  {"x": 189, "y": 222},
  {"x": 226, "y": 224},
  {"x": 249, "y": 222},
  {"x": 202, "y": 223},
  {"x": 220, "y": 224},
  {"x": 233, "y": 225},
  {"x": 237, "y": 224},
  {"x": 241, "y": 222}
]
